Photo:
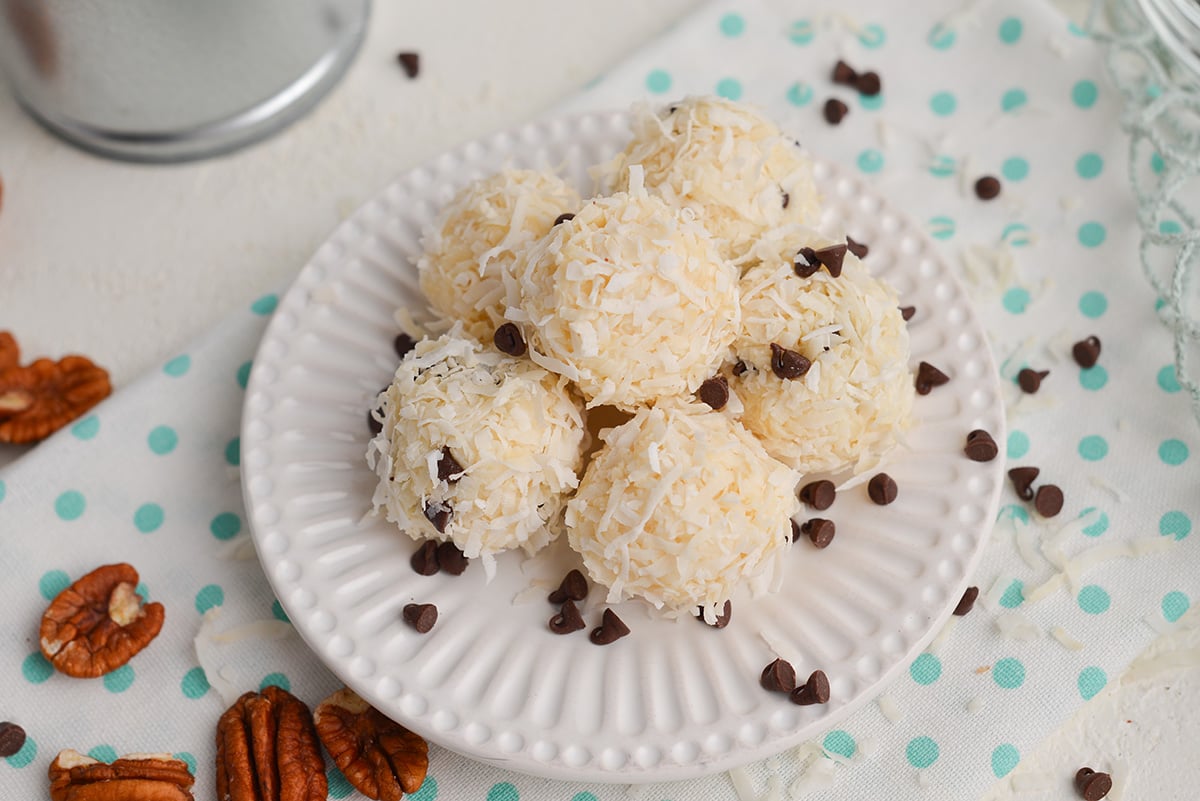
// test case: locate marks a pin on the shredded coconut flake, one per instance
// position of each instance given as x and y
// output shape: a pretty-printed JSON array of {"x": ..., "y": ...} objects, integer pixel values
[
  {"x": 889, "y": 709},
  {"x": 1065, "y": 639}
]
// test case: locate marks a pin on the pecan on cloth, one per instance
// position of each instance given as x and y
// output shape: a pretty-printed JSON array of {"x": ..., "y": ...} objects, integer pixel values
[
  {"x": 267, "y": 750},
  {"x": 381, "y": 758},
  {"x": 38, "y": 399},
  {"x": 134, "y": 777},
  {"x": 98, "y": 623}
]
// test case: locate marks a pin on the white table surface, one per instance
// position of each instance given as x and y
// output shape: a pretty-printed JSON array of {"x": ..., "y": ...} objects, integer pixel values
[{"x": 127, "y": 263}]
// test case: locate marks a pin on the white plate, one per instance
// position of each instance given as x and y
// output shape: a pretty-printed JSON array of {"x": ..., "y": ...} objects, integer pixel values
[{"x": 674, "y": 699}]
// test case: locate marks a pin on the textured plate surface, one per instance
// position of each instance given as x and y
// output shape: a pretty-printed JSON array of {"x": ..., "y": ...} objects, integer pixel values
[{"x": 674, "y": 699}]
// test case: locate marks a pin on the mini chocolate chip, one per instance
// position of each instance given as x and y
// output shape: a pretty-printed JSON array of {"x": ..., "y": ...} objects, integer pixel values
[
  {"x": 1022, "y": 480},
  {"x": 438, "y": 514},
  {"x": 929, "y": 377},
  {"x": 420, "y": 616},
  {"x": 740, "y": 368},
  {"x": 820, "y": 495},
  {"x": 967, "y": 601},
  {"x": 857, "y": 248},
  {"x": 806, "y": 263},
  {"x": 611, "y": 629},
  {"x": 411, "y": 62},
  {"x": 980, "y": 446},
  {"x": 508, "y": 339},
  {"x": 813, "y": 691},
  {"x": 868, "y": 83},
  {"x": 1031, "y": 380},
  {"x": 567, "y": 620},
  {"x": 786, "y": 199},
  {"x": 451, "y": 559},
  {"x": 788, "y": 364},
  {"x": 908, "y": 312},
  {"x": 373, "y": 425},
  {"x": 835, "y": 111},
  {"x": 1086, "y": 352},
  {"x": 425, "y": 558},
  {"x": 778, "y": 677},
  {"x": 573, "y": 587},
  {"x": 722, "y": 619},
  {"x": 987, "y": 188},
  {"x": 1081, "y": 777},
  {"x": 795, "y": 529},
  {"x": 562, "y": 218},
  {"x": 832, "y": 257},
  {"x": 1049, "y": 500},
  {"x": 714, "y": 392},
  {"x": 1094, "y": 787},
  {"x": 402, "y": 344},
  {"x": 12, "y": 739},
  {"x": 820, "y": 531},
  {"x": 448, "y": 467},
  {"x": 843, "y": 73},
  {"x": 882, "y": 489}
]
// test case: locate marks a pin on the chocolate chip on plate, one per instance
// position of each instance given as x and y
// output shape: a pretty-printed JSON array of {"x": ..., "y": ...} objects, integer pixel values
[
  {"x": 438, "y": 514},
  {"x": 573, "y": 587},
  {"x": 832, "y": 257},
  {"x": 834, "y": 111},
  {"x": 451, "y": 559},
  {"x": 857, "y": 248},
  {"x": 813, "y": 691},
  {"x": 1086, "y": 352},
  {"x": 987, "y": 188},
  {"x": 980, "y": 446},
  {"x": 908, "y": 312},
  {"x": 411, "y": 62},
  {"x": 714, "y": 392},
  {"x": 882, "y": 489},
  {"x": 722, "y": 619},
  {"x": 1022, "y": 480},
  {"x": 820, "y": 495},
  {"x": 402, "y": 344},
  {"x": 567, "y": 620},
  {"x": 611, "y": 629},
  {"x": 373, "y": 425},
  {"x": 449, "y": 469},
  {"x": 562, "y": 218},
  {"x": 508, "y": 339},
  {"x": 795, "y": 529},
  {"x": 1049, "y": 500},
  {"x": 12, "y": 738},
  {"x": 843, "y": 73},
  {"x": 967, "y": 601},
  {"x": 806, "y": 263},
  {"x": 1030, "y": 381},
  {"x": 868, "y": 83},
  {"x": 425, "y": 559},
  {"x": 778, "y": 677},
  {"x": 788, "y": 364},
  {"x": 820, "y": 531},
  {"x": 929, "y": 377},
  {"x": 421, "y": 617},
  {"x": 1092, "y": 785}
]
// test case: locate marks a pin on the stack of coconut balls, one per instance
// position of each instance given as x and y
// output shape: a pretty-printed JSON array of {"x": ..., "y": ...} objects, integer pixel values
[{"x": 730, "y": 350}]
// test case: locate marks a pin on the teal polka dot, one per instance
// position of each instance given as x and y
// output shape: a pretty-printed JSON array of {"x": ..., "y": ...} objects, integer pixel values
[
  {"x": 1004, "y": 758},
  {"x": 870, "y": 160},
  {"x": 921, "y": 752},
  {"x": 429, "y": 790},
  {"x": 186, "y": 758},
  {"x": 733, "y": 25},
  {"x": 1016, "y": 234},
  {"x": 1014, "y": 595},
  {"x": 148, "y": 517},
  {"x": 800, "y": 94},
  {"x": 872, "y": 36},
  {"x": 275, "y": 680},
  {"x": 36, "y": 668},
  {"x": 1092, "y": 234},
  {"x": 943, "y": 104},
  {"x": 52, "y": 583},
  {"x": 801, "y": 32},
  {"x": 1091, "y": 681},
  {"x": 1093, "y": 599},
  {"x": 339, "y": 785},
  {"x": 1013, "y": 99},
  {"x": 264, "y": 305},
  {"x": 225, "y": 526},
  {"x": 1093, "y": 304},
  {"x": 1009, "y": 673},
  {"x": 1093, "y": 448},
  {"x": 208, "y": 597},
  {"x": 119, "y": 680},
  {"x": 87, "y": 428},
  {"x": 1097, "y": 528},
  {"x": 233, "y": 452},
  {"x": 1010, "y": 30},
  {"x": 142, "y": 591},
  {"x": 70, "y": 505},
  {"x": 1175, "y": 524},
  {"x": 503, "y": 791},
  {"x": 1169, "y": 227},
  {"x": 1016, "y": 299},
  {"x": 941, "y": 227},
  {"x": 871, "y": 102},
  {"x": 1173, "y": 452},
  {"x": 104, "y": 753},
  {"x": 584, "y": 796},
  {"x": 1089, "y": 165},
  {"x": 195, "y": 683},
  {"x": 943, "y": 167},
  {"x": 162, "y": 440},
  {"x": 278, "y": 613},
  {"x": 1167, "y": 379},
  {"x": 925, "y": 669},
  {"x": 729, "y": 88},
  {"x": 178, "y": 366},
  {"x": 1157, "y": 164},
  {"x": 940, "y": 37},
  {"x": 1159, "y": 303},
  {"x": 1015, "y": 168},
  {"x": 658, "y": 81},
  {"x": 1093, "y": 378},
  {"x": 1013, "y": 511},
  {"x": 1174, "y": 605},
  {"x": 243, "y": 374},
  {"x": 839, "y": 742},
  {"x": 1084, "y": 94},
  {"x": 3, "y": 490},
  {"x": 25, "y": 756}
]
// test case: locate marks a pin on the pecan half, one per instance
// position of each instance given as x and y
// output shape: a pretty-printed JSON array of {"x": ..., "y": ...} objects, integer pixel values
[
  {"x": 98, "y": 623},
  {"x": 10, "y": 352},
  {"x": 381, "y": 758},
  {"x": 38, "y": 399},
  {"x": 267, "y": 750},
  {"x": 133, "y": 777}
]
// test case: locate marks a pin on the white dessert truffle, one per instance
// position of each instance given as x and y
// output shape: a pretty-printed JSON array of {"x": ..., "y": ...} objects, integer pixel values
[
  {"x": 727, "y": 162},
  {"x": 477, "y": 448},
  {"x": 680, "y": 507},
  {"x": 854, "y": 401},
  {"x": 630, "y": 300},
  {"x": 477, "y": 237}
]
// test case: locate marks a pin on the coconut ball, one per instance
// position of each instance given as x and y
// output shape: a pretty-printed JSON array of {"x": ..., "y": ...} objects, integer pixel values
[
  {"x": 679, "y": 507},
  {"x": 630, "y": 300},
  {"x": 477, "y": 237},
  {"x": 477, "y": 448}
]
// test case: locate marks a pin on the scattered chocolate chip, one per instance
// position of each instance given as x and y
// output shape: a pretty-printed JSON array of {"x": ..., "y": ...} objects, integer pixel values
[
  {"x": 611, "y": 629},
  {"x": 1086, "y": 352},
  {"x": 1031, "y": 380},
  {"x": 438, "y": 514},
  {"x": 835, "y": 111},
  {"x": 574, "y": 587},
  {"x": 722, "y": 619},
  {"x": 820, "y": 531},
  {"x": 844, "y": 74},
  {"x": 1081, "y": 776},
  {"x": 967, "y": 601},
  {"x": 882, "y": 489},
  {"x": 832, "y": 257},
  {"x": 421, "y": 617},
  {"x": 714, "y": 392},
  {"x": 987, "y": 188},
  {"x": 12, "y": 739},
  {"x": 373, "y": 425},
  {"x": 411, "y": 62},
  {"x": 778, "y": 677},
  {"x": 980, "y": 446},
  {"x": 1092, "y": 786},
  {"x": 788, "y": 364},
  {"x": 929, "y": 377},
  {"x": 1049, "y": 500},
  {"x": 451, "y": 559},
  {"x": 806, "y": 263},
  {"x": 795, "y": 529},
  {"x": 857, "y": 248},
  {"x": 448, "y": 467},
  {"x": 562, "y": 218},
  {"x": 868, "y": 83},
  {"x": 813, "y": 691},
  {"x": 508, "y": 339},
  {"x": 567, "y": 620},
  {"x": 820, "y": 495},
  {"x": 908, "y": 312},
  {"x": 740, "y": 368},
  {"x": 786, "y": 199},
  {"x": 1022, "y": 480},
  {"x": 425, "y": 559},
  {"x": 402, "y": 344}
]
